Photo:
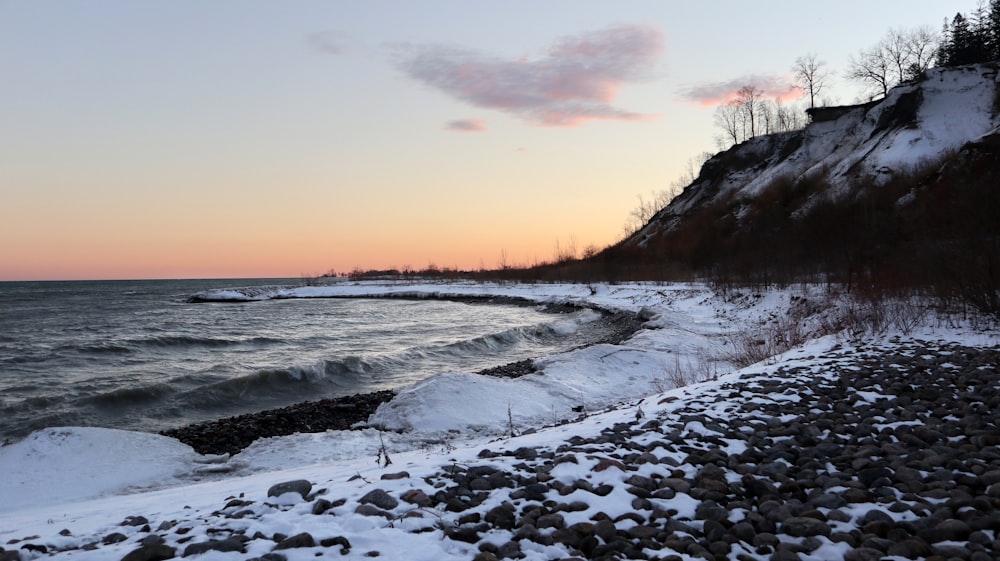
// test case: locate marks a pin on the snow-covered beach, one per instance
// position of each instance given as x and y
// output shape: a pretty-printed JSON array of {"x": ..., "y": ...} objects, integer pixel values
[{"x": 840, "y": 448}]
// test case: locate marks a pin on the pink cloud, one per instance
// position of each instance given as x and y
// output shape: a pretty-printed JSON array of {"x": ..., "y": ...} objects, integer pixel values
[
  {"x": 467, "y": 125},
  {"x": 574, "y": 81},
  {"x": 721, "y": 93}
]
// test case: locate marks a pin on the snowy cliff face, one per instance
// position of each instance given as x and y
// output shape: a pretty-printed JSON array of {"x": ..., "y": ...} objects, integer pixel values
[{"x": 918, "y": 124}]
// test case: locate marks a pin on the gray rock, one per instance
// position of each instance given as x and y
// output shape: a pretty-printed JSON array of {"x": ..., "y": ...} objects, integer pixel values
[
  {"x": 828, "y": 500},
  {"x": 115, "y": 537},
  {"x": 379, "y": 498},
  {"x": 393, "y": 476},
  {"x": 550, "y": 521},
  {"x": 910, "y": 549},
  {"x": 416, "y": 497},
  {"x": 606, "y": 530},
  {"x": 947, "y": 530},
  {"x": 304, "y": 539},
  {"x": 800, "y": 527},
  {"x": 863, "y": 554},
  {"x": 300, "y": 486},
  {"x": 321, "y": 506},
  {"x": 372, "y": 510},
  {"x": 228, "y": 544},
  {"x": 158, "y": 552}
]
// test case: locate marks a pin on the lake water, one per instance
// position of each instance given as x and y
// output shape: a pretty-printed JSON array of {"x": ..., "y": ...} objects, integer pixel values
[{"x": 137, "y": 355}]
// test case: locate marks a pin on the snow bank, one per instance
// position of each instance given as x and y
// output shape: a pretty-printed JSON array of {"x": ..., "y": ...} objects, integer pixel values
[{"x": 69, "y": 464}]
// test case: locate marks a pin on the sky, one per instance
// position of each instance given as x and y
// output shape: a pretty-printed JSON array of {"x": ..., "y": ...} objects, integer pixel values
[{"x": 252, "y": 138}]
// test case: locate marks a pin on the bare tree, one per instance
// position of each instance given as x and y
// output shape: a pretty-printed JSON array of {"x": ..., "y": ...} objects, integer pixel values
[
  {"x": 787, "y": 118},
  {"x": 729, "y": 118},
  {"x": 810, "y": 75},
  {"x": 922, "y": 45},
  {"x": 750, "y": 98},
  {"x": 900, "y": 55},
  {"x": 872, "y": 67}
]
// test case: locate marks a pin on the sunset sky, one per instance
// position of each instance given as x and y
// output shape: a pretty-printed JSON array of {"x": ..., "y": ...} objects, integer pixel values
[{"x": 251, "y": 138}]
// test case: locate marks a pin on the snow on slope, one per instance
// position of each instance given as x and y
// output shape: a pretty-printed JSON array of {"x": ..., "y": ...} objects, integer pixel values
[{"x": 956, "y": 106}]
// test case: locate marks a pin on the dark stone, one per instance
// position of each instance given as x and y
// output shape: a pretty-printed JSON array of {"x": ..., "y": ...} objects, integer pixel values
[
  {"x": 743, "y": 531},
  {"x": 501, "y": 516},
  {"x": 606, "y": 530},
  {"x": 300, "y": 486},
  {"x": 863, "y": 554},
  {"x": 947, "y": 530},
  {"x": 710, "y": 510},
  {"x": 379, "y": 498},
  {"x": 229, "y": 544},
  {"x": 304, "y": 539},
  {"x": 641, "y": 532},
  {"x": 416, "y": 497},
  {"x": 869, "y": 476},
  {"x": 321, "y": 506},
  {"x": 550, "y": 521},
  {"x": 535, "y": 491},
  {"x": 910, "y": 548},
  {"x": 393, "y": 476},
  {"x": 372, "y": 510},
  {"x": 828, "y": 500},
  {"x": 135, "y": 521},
  {"x": 463, "y": 534},
  {"x": 343, "y": 542},
  {"x": 115, "y": 537},
  {"x": 158, "y": 552}
]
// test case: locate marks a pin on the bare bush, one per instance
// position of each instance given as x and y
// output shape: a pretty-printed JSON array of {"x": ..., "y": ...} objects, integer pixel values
[{"x": 686, "y": 372}]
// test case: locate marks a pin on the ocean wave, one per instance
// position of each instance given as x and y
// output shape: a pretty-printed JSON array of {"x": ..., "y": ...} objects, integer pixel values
[
  {"x": 168, "y": 341},
  {"x": 298, "y": 382},
  {"x": 242, "y": 294},
  {"x": 187, "y": 341},
  {"x": 127, "y": 397}
]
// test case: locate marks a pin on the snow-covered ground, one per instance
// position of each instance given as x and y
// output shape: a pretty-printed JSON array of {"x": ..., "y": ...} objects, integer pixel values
[{"x": 64, "y": 488}]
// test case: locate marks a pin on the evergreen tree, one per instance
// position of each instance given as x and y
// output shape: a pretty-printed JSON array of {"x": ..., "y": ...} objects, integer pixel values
[
  {"x": 964, "y": 47},
  {"x": 993, "y": 29}
]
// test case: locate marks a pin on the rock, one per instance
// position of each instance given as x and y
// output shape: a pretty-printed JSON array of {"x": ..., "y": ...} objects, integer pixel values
[
  {"x": 135, "y": 521},
  {"x": 379, "y": 498},
  {"x": 343, "y": 542},
  {"x": 910, "y": 549},
  {"x": 229, "y": 544},
  {"x": 641, "y": 532},
  {"x": 863, "y": 554},
  {"x": 372, "y": 510},
  {"x": 606, "y": 530},
  {"x": 304, "y": 539},
  {"x": 157, "y": 552},
  {"x": 300, "y": 486},
  {"x": 501, "y": 516},
  {"x": 416, "y": 497},
  {"x": 321, "y": 506},
  {"x": 393, "y": 476},
  {"x": 710, "y": 510},
  {"x": 463, "y": 534},
  {"x": 947, "y": 530},
  {"x": 550, "y": 521},
  {"x": 115, "y": 537}
]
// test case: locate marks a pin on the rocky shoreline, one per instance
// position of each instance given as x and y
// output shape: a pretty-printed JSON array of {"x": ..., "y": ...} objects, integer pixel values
[
  {"x": 233, "y": 434},
  {"x": 860, "y": 454}
]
